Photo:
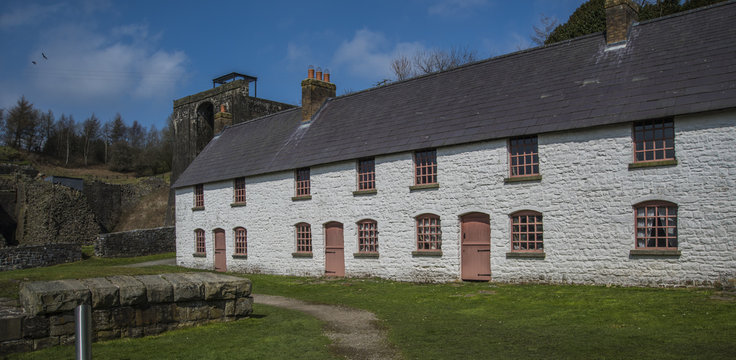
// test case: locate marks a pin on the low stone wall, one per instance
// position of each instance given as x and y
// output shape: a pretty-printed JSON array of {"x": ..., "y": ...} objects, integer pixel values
[
  {"x": 22, "y": 257},
  {"x": 136, "y": 242},
  {"x": 122, "y": 306}
]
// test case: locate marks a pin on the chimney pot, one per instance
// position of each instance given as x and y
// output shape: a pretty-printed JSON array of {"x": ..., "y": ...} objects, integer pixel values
[
  {"x": 222, "y": 108},
  {"x": 310, "y": 72},
  {"x": 620, "y": 14},
  {"x": 327, "y": 75},
  {"x": 319, "y": 74}
]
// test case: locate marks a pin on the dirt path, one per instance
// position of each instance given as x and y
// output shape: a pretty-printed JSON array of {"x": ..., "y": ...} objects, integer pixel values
[
  {"x": 354, "y": 333},
  {"x": 171, "y": 261}
]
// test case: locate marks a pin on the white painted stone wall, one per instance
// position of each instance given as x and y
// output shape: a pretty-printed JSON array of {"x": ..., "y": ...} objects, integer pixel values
[{"x": 586, "y": 196}]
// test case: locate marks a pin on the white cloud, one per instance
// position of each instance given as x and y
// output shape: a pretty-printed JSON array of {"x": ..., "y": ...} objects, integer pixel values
[
  {"x": 30, "y": 14},
  {"x": 454, "y": 7},
  {"x": 368, "y": 54},
  {"x": 86, "y": 65}
]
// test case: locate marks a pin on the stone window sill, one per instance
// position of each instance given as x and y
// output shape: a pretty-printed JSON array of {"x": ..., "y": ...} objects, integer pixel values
[
  {"x": 240, "y": 256},
  {"x": 429, "y": 253},
  {"x": 199, "y": 255},
  {"x": 365, "y": 255},
  {"x": 237, "y": 204},
  {"x": 301, "y": 198},
  {"x": 654, "y": 252},
  {"x": 526, "y": 255},
  {"x": 198, "y": 208},
  {"x": 646, "y": 164},
  {"x": 516, "y": 179},
  {"x": 301, "y": 254},
  {"x": 365, "y": 192},
  {"x": 424, "y": 187}
]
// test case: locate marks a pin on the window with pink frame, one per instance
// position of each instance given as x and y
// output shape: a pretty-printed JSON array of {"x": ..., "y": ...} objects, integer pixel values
[
  {"x": 199, "y": 195},
  {"x": 199, "y": 241},
  {"x": 368, "y": 236},
  {"x": 526, "y": 231},
  {"x": 241, "y": 241},
  {"x": 366, "y": 174},
  {"x": 302, "y": 182},
  {"x": 303, "y": 238},
  {"x": 656, "y": 225},
  {"x": 429, "y": 233},
  {"x": 239, "y": 196},
  {"x": 654, "y": 140},
  {"x": 523, "y": 156},
  {"x": 425, "y": 167}
]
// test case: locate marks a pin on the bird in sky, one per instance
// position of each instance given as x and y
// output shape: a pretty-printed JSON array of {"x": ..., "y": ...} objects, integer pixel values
[
  {"x": 44, "y": 56},
  {"x": 34, "y": 63}
]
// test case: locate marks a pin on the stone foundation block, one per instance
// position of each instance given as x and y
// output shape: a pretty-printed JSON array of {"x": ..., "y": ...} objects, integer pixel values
[
  {"x": 108, "y": 334},
  {"x": 102, "y": 319},
  {"x": 158, "y": 290},
  {"x": 123, "y": 317},
  {"x": 184, "y": 288},
  {"x": 218, "y": 287},
  {"x": 13, "y": 346},
  {"x": 243, "y": 306},
  {"x": 132, "y": 291},
  {"x": 104, "y": 293},
  {"x": 53, "y": 296},
  {"x": 35, "y": 327},
  {"x": 10, "y": 328}
]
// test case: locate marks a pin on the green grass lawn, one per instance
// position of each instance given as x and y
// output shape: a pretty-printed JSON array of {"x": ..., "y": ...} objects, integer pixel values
[
  {"x": 481, "y": 320},
  {"x": 270, "y": 333},
  {"x": 441, "y": 321}
]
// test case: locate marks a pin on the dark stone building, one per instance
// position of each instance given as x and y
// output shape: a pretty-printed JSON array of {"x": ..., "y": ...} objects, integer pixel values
[{"x": 198, "y": 117}]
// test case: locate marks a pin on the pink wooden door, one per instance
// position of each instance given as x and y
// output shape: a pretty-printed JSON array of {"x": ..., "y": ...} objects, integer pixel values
[
  {"x": 220, "y": 258},
  {"x": 334, "y": 250},
  {"x": 476, "y": 247}
]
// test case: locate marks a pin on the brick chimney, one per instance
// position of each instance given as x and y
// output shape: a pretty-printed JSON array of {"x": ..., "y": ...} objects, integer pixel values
[
  {"x": 620, "y": 14},
  {"x": 222, "y": 119},
  {"x": 315, "y": 91}
]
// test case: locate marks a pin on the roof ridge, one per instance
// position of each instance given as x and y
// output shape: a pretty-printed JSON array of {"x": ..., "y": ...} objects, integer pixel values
[{"x": 470, "y": 64}]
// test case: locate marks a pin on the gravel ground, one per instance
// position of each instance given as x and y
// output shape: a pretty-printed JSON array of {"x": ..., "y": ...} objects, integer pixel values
[{"x": 356, "y": 334}]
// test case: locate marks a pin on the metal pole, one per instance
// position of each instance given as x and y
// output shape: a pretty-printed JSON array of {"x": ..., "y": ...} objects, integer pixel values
[{"x": 83, "y": 331}]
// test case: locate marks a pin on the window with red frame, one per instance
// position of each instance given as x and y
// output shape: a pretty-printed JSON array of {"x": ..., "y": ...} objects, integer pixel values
[
  {"x": 366, "y": 174},
  {"x": 656, "y": 225},
  {"x": 199, "y": 241},
  {"x": 199, "y": 195},
  {"x": 526, "y": 231},
  {"x": 523, "y": 156},
  {"x": 425, "y": 167},
  {"x": 654, "y": 140},
  {"x": 302, "y": 182},
  {"x": 429, "y": 233},
  {"x": 367, "y": 236},
  {"x": 241, "y": 241},
  {"x": 239, "y": 191},
  {"x": 303, "y": 238}
]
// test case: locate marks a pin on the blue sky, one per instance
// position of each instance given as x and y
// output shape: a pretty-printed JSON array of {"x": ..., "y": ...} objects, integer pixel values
[{"x": 136, "y": 57}]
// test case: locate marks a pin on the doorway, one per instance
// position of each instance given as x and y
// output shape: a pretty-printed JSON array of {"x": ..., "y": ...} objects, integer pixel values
[
  {"x": 220, "y": 258},
  {"x": 334, "y": 250},
  {"x": 475, "y": 258}
]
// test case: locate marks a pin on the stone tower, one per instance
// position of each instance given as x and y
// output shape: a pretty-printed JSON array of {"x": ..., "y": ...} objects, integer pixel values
[{"x": 198, "y": 117}]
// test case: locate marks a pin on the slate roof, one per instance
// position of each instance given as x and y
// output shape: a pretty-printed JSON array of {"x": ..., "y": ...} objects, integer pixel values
[{"x": 680, "y": 64}]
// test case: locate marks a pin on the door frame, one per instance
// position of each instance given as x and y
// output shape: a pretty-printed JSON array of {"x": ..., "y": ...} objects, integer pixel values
[
  {"x": 339, "y": 272},
  {"x": 462, "y": 218},
  {"x": 224, "y": 249}
]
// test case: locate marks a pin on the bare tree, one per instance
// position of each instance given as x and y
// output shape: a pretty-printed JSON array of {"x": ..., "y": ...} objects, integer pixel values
[
  {"x": 431, "y": 61},
  {"x": 21, "y": 125},
  {"x": 402, "y": 67},
  {"x": 67, "y": 131},
  {"x": 90, "y": 132},
  {"x": 106, "y": 137},
  {"x": 541, "y": 32}
]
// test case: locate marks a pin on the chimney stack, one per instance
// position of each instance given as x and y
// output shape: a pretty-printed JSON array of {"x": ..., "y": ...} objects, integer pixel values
[
  {"x": 315, "y": 91},
  {"x": 620, "y": 14},
  {"x": 222, "y": 119}
]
